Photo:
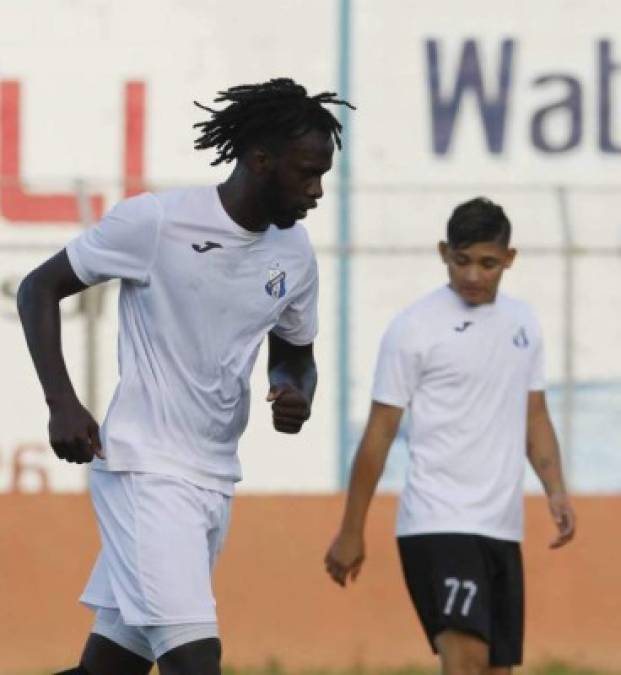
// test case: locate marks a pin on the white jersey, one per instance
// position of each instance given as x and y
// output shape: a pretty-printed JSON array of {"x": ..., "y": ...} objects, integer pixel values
[
  {"x": 464, "y": 373},
  {"x": 198, "y": 295}
]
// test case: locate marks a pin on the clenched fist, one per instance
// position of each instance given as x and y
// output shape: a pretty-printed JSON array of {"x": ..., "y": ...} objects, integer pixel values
[{"x": 290, "y": 408}]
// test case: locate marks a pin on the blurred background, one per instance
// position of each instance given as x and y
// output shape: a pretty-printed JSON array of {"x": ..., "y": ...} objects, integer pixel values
[{"x": 520, "y": 102}]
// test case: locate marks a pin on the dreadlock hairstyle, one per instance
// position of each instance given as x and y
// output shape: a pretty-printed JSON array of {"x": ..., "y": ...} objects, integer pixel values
[{"x": 272, "y": 111}]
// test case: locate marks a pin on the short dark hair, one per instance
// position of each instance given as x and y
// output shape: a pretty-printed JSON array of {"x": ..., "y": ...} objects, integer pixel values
[
  {"x": 270, "y": 112},
  {"x": 476, "y": 221}
]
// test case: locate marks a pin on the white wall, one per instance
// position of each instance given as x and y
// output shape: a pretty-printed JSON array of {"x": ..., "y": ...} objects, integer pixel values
[{"x": 72, "y": 60}]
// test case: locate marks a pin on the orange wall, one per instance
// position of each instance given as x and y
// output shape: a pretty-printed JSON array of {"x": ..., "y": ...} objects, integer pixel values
[{"x": 275, "y": 601}]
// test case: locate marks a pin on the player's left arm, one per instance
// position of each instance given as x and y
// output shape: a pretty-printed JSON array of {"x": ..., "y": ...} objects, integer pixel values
[
  {"x": 545, "y": 458},
  {"x": 293, "y": 377}
]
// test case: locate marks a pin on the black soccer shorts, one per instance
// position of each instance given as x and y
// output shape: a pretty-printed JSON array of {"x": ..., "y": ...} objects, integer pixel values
[{"x": 468, "y": 583}]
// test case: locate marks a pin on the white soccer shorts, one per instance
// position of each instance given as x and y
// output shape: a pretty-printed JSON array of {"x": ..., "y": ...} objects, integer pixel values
[{"x": 160, "y": 540}]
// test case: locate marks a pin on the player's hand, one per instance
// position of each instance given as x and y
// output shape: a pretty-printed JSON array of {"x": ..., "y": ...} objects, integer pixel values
[
  {"x": 74, "y": 434},
  {"x": 564, "y": 518},
  {"x": 290, "y": 408},
  {"x": 345, "y": 557}
]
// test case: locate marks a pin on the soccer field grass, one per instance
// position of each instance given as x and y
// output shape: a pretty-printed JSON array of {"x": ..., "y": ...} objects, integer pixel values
[
  {"x": 275, "y": 669},
  {"x": 548, "y": 669}
]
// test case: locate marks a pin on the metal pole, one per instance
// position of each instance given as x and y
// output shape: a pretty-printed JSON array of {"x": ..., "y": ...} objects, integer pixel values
[
  {"x": 91, "y": 297},
  {"x": 569, "y": 297},
  {"x": 343, "y": 244}
]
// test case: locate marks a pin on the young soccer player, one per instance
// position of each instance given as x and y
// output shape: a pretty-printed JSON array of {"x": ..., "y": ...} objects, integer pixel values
[
  {"x": 206, "y": 273},
  {"x": 466, "y": 361}
]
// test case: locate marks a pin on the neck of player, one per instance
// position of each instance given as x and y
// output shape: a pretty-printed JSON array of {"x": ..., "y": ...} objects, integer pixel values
[{"x": 241, "y": 200}]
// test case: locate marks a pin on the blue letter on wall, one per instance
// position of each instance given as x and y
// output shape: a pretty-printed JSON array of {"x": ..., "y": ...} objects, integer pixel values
[
  {"x": 606, "y": 103},
  {"x": 493, "y": 110},
  {"x": 571, "y": 104}
]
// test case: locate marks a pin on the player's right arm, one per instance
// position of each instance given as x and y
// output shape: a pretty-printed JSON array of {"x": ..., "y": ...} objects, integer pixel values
[
  {"x": 396, "y": 375},
  {"x": 121, "y": 246},
  {"x": 74, "y": 434},
  {"x": 346, "y": 554}
]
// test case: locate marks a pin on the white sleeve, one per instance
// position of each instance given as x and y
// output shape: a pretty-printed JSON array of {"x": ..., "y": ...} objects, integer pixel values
[
  {"x": 398, "y": 366},
  {"x": 298, "y": 323},
  {"x": 121, "y": 246},
  {"x": 537, "y": 380}
]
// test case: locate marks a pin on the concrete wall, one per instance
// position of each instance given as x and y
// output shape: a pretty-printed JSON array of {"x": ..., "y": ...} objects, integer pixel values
[
  {"x": 276, "y": 602},
  {"x": 454, "y": 99}
]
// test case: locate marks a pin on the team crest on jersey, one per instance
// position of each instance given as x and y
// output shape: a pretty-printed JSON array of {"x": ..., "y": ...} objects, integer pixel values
[
  {"x": 520, "y": 339},
  {"x": 275, "y": 286}
]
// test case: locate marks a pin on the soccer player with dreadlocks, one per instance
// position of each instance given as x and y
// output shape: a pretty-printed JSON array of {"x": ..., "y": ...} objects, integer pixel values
[{"x": 206, "y": 273}]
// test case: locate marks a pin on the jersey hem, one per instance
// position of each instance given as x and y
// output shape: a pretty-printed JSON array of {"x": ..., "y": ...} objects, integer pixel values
[
  {"x": 448, "y": 529},
  {"x": 94, "y": 604},
  {"x": 225, "y": 486}
]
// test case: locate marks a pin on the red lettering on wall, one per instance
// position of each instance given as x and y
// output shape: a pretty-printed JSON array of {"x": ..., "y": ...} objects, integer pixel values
[
  {"x": 29, "y": 468},
  {"x": 134, "y": 138},
  {"x": 17, "y": 205}
]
